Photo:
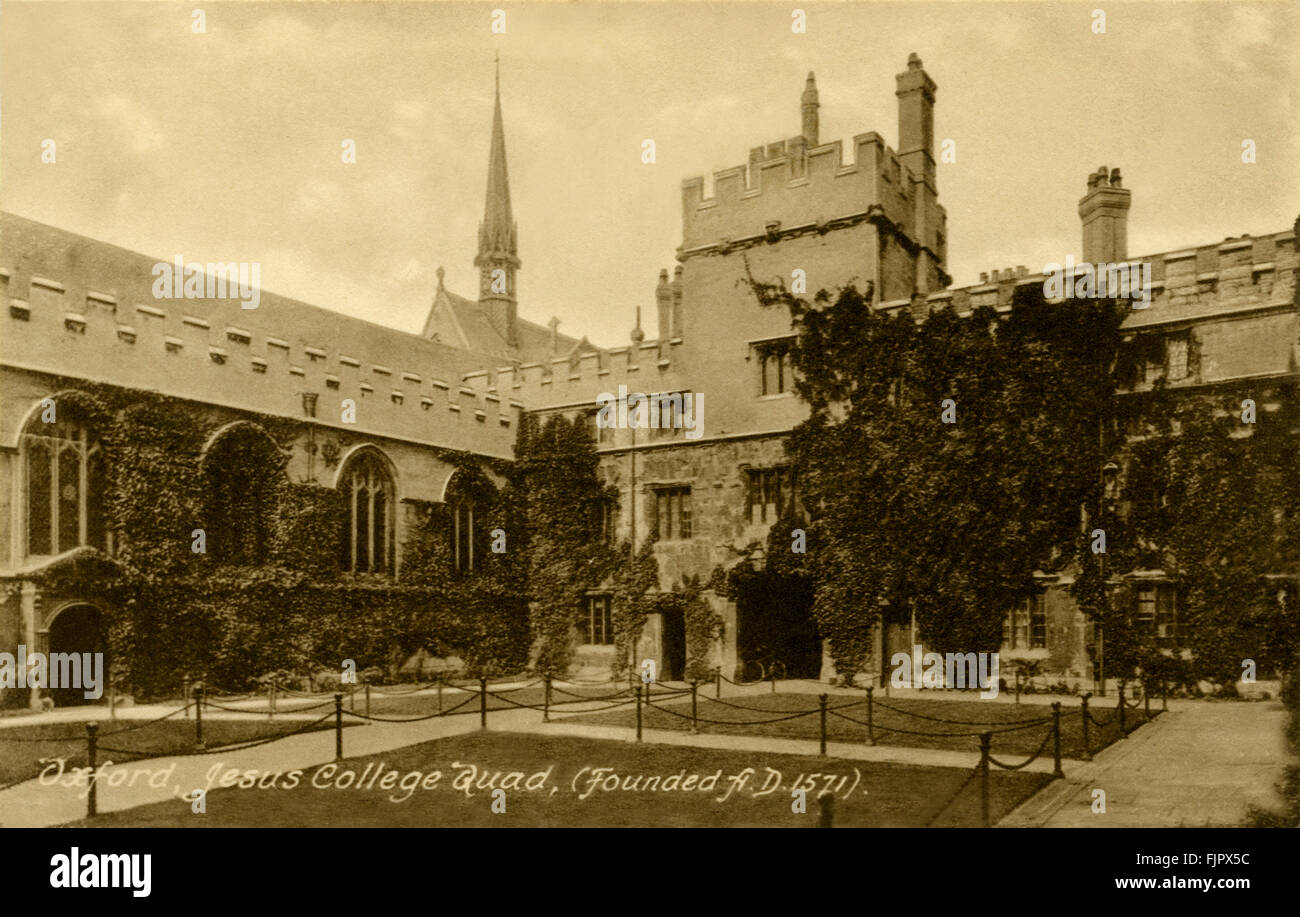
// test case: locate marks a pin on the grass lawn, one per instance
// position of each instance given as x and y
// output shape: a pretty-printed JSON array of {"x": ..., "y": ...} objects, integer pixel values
[
  {"x": 559, "y": 769},
  {"x": 770, "y": 706},
  {"x": 22, "y": 747}
]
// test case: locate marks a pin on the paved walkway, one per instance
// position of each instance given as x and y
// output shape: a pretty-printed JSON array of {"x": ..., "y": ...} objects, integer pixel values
[{"x": 1201, "y": 764}]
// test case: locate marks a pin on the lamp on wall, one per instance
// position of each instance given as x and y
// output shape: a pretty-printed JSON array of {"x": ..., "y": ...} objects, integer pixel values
[{"x": 309, "y": 404}]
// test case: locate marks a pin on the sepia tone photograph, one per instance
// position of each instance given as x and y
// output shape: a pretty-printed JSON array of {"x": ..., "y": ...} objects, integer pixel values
[{"x": 654, "y": 415}]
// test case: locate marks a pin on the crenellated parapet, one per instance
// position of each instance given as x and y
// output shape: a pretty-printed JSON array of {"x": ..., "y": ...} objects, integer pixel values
[
  {"x": 1235, "y": 275},
  {"x": 649, "y": 366},
  {"x": 789, "y": 188},
  {"x": 82, "y": 309}
]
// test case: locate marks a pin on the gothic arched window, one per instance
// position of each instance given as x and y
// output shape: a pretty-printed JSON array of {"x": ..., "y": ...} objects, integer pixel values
[
  {"x": 244, "y": 471},
  {"x": 462, "y": 534},
  {"x": 368, "y": 540},
  {"x": 63, "y": 482}
]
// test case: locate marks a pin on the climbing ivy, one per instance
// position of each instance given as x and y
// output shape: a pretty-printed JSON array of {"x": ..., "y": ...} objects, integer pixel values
[
  {"x": 947, "y": 519},
  {"x": 228, "y": 618},
  {"x": 557, "y": 469}
]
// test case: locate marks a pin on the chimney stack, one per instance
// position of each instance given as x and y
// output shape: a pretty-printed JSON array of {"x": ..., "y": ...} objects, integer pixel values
[
  {"x": 915, "y": 94},
  {"x": 677, "y": 302},
  {"x": 664, "y": 302},
  {"x": 809, "y": 105},
  {"x": 1104, "y": 212}
]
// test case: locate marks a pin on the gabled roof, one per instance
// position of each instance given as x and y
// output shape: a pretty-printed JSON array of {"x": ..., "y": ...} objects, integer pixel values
[{"x": 462, "y": 322}]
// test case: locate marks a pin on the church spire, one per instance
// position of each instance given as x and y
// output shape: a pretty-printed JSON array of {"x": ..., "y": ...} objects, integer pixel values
[{"x": 498, "y": 252}]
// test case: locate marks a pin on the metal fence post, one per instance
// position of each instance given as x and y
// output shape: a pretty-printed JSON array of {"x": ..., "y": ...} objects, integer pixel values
[
  {"x": 198, "y": 717},
  {"x": 986, "y": 740},
  {"x": 821, "y": 701},
  {"x": 1087, "y": 745},
  {"x": 717, "y": 681},
  {"x": 482, "y": 702},
  {"x": 1056, "y": 729},
  {"x": 638, "y": 713},
  {"x": 695, "y": 710},
  {"x": 871, "y": 714},
  {"x": 185, "y": 695},
  {"x": 826, "y": 805},
  {"x": 546, "y": 700},
  {"x": 338, "y": 727},
  {"x": 1123, "y": 732},
  {"x": 270, "y": 708},
  {"x": 92, "y": 799},
  {"x": 367, "y": 698}
]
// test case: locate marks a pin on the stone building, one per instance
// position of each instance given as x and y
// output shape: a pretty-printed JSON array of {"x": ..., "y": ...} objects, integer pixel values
[{"x": 83, "y": 313}]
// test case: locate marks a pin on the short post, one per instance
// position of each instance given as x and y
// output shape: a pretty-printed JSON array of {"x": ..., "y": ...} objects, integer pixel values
[
  {"x": 352, "y": 699},
  {"x": 821, "y": 702},
  {"x": 638, "y": 713},
  {"x": 826, "y": 809},
  {"x": 1017, "y": 686},
  {"x": 772, "y": 677},
  {"x": 367, "y": 698},
  {"x": 338, "y": 727},
  {"x": 112, "y": 700},
  {"x": 695, "y": 708},
  {"x": 440, "y": 692},
  {"x": 270, "y": 708},
  {"x": 871, "y": 714},
  {"x": 198, "y": 717},
  {"x": 185, "y": 695},
  {"x": 717, "y": 681},
  {"x": 1056, "y": 740},
  {"x": 1164, "y": 696},
  {"x": 1146, "y": 701},
  {"x": 546, "y": 700},
  {"x": 482, "y": 702},
  {"x": 1123, "y": 732},
  {"x": 1087, "y": 745},
  {"x": 986, "y": 739},
  {"x": 92, "y": 800}
]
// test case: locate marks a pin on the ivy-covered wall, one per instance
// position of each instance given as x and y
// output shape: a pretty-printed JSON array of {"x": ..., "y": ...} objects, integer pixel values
[{"x": 223, "y": 567}]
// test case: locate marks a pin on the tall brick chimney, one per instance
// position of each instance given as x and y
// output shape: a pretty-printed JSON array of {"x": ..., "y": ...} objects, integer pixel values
[
  {"x": 915, "y": 94},
  {"x": 664, "y": 304},
  {"x": 1104, "y": 212},
  {"x": 808, "y": 105}
]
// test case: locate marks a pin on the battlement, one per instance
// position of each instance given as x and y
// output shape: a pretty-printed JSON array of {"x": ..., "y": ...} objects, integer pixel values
[
  {"x": 799, "y": 185},
  {"x": 787, "y": 187},
  {"x": 1236, "y": 275},
  {"x": 84, "y": 309},
  {"x": 650, "y": 366}
]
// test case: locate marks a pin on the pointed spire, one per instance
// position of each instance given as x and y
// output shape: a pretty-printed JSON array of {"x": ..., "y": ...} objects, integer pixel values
[
  {"x": 809, "y": 105},
  {"x": 497, "y": 233},
  {"x": 498, "y": 253}
]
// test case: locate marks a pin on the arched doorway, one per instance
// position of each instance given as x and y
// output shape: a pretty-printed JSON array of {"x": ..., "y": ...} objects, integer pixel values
[
  {"x": 674, "y": 645},
  {"x": 78, "y": 629},
  {"x": 774, "y": 623}
]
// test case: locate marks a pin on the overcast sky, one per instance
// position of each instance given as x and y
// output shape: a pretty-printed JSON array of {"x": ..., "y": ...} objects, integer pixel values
[{"x": 225, "y": 146}]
